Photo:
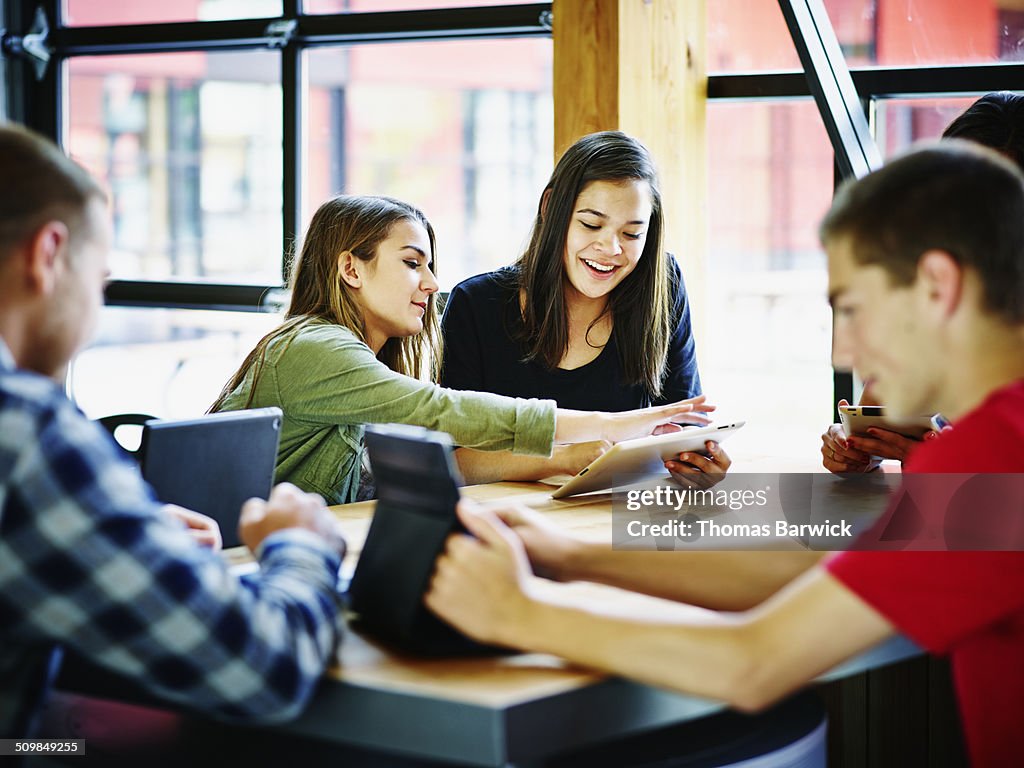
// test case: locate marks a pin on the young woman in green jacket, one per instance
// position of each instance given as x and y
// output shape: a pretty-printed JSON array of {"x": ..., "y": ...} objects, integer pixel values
[{"x": 359, "y": 345}]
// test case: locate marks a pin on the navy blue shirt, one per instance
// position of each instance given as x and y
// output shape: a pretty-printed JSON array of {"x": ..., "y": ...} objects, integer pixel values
[{"x": 481, "y": 353}]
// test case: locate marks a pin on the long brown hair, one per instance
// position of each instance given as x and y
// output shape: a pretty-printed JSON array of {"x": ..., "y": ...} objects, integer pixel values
[
  {"x": 640, "y": 304},
  {"x": 358, "y": 224}
]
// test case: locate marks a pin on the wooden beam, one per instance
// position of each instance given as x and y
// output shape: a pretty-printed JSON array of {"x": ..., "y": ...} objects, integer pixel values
[
  {"x": 639, "y": 66},
  {"x": 586, "y": 69}
]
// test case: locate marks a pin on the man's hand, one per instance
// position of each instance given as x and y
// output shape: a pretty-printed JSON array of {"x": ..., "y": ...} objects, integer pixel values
[
  {"x": 548, "y": 547},
  {"x": 693, "y": 470},
  {"x": 203, "y": 529},
  {"x": 288, "y": 507},
  {"x": 478, "y": 582}
]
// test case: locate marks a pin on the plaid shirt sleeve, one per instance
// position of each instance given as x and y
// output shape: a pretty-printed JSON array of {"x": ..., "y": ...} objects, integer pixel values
[{"x": 88, "y": 560}]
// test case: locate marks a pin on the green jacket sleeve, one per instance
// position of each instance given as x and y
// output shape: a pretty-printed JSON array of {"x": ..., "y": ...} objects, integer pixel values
[{"x": 325, "y": 375}]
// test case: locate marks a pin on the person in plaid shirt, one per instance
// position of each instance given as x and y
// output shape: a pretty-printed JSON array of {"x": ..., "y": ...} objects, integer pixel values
[{"x": 88, "y": 559}]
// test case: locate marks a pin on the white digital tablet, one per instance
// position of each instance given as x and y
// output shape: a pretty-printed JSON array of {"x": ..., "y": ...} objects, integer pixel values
[
  {"x": 856, "y": 420},
  {"x": 641, "y": 458}
]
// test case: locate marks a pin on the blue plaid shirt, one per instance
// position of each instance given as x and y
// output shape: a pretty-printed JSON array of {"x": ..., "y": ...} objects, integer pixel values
[{"x": 88, "y": 561}]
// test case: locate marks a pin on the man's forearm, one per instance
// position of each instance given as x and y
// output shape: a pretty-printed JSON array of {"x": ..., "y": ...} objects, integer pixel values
[
  {"x": 714, "y": 659},
  {"x": 730, "y": 581},
  {"x": 749, "y": 659}
]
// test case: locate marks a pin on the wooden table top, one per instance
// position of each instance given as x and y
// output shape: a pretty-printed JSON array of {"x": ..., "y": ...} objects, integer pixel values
[
  {"x": 493, "y": 681},
  {"x": 505, "y": 681},
  {"x": 590, "y": 514},
  {"x": 499, "y": 710}
]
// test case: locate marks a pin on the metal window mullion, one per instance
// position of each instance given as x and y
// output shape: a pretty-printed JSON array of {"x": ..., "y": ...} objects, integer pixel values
[
  {"x": 161, "y": 38},
  {"x": 892, "y": 82},
  {"x": 34, "y": 102},
  {"x": 842, "y": 381},
  {"x": 425, "y": 24},
  {"x": 832, "y": 86},
  {"x": 448, "y": 23},
  {"x": 761, "y": 86},
  {"x": 293, "y": 139},
  {"x": 146, "y": 293},
  {"x": 874, "y": 82}
]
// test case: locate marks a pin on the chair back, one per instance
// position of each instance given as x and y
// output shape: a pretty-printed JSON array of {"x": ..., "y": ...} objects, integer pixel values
[{"x": 120, "y": 425}]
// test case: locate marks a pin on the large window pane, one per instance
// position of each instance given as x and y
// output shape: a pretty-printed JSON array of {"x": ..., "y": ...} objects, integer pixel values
[
  {"x": 747, "y": 36},
  {"x": 163, "y": 362},
  {"x": 763, "y": 322},
  {"x": 901, "y": 122},
  {"x": 909, "y": 32},
  {"x": 189, "y": 145},
  {"x": 94, "y": 12},
  {"x": 343, "y": 6},
  {"x": 461, "y": 129},
  {"x": 751, "y": 35}
]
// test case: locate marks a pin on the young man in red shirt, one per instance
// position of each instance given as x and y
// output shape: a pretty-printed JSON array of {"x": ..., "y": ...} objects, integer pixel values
[{"x": 926, "y": 277}]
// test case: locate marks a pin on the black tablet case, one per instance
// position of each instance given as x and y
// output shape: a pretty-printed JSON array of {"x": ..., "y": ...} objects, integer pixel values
[
  {"x": 212, "y": 464},
  {"x": 417, "y": 490}
]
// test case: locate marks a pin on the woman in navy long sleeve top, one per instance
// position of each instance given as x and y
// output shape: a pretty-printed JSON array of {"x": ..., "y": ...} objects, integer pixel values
[{"x": 594, "y": 313}]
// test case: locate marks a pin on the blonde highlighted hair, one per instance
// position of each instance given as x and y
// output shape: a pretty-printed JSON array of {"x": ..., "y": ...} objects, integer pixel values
[{"x": 358, "y": 224}]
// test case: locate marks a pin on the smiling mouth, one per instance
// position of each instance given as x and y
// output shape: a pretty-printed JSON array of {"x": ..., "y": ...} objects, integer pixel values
[
  {"x": 601, "y": 269},
  {"x": 422, "y": 305}
]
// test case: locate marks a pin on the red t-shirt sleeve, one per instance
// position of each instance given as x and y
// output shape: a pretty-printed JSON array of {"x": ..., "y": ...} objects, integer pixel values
[{"x": 936, "y": 598}]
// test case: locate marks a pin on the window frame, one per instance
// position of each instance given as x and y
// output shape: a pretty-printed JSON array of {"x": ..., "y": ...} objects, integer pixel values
[{"x": 40, "y": 103}]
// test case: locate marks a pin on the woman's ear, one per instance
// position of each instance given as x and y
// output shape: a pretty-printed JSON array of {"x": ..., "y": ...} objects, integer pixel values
[
  {"x": 350, "y": 269},
  {"x": 544, "y": 200}
]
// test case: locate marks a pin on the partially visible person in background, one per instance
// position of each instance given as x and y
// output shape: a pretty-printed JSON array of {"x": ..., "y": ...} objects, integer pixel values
[{"x": 996, "y": 120}]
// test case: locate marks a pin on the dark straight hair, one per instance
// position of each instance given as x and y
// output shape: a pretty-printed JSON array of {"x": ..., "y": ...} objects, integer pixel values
[
  {"x": 953, "y": 196},
  {"x": 640, "y": 304},
  {"x": 995, "y": 120}
]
